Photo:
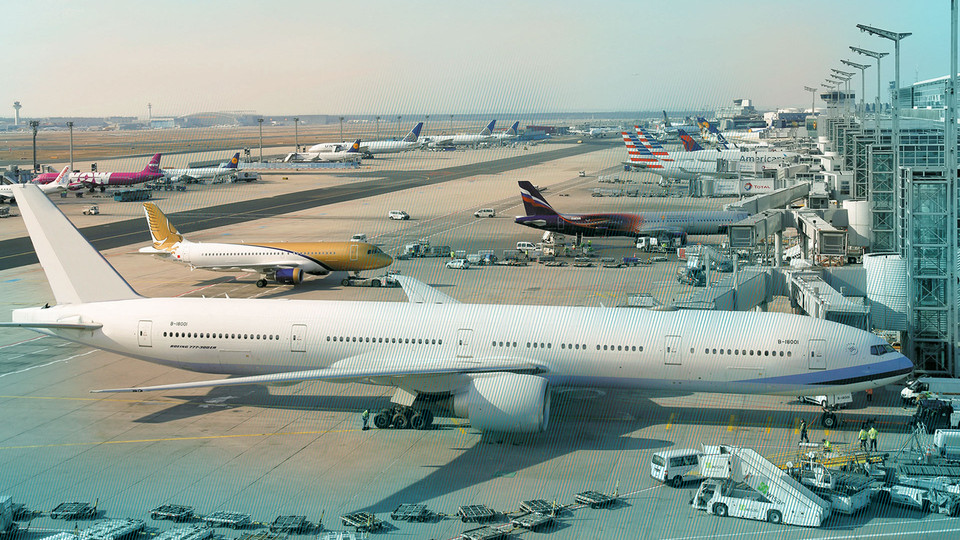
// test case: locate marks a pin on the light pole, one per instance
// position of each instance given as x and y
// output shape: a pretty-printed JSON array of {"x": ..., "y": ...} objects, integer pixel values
[
  {"x": 296, "y": 132},
  {"x": 895, "y": 109},
  {"x": 70, "y": 125},
  {"x": 398, "y": 125},
  {"x": 813, "y": 97},
  {"x": 260, "y": 123},
  {"x": 863, "y": 85},
  {"x": 451, "y": 124},
  {"x": 341, "y": 129},
  {"x": 34, "y": 125},
  {"x": 878, "y": 56},
  {"x": 845, "y": 78},
  {"x": 378, "y": 128}
]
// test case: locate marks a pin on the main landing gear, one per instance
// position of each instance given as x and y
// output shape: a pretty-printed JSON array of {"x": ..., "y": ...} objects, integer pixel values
[
  {"x": 828, "y": 419},
  {"x": 401, "y": 417},
  {"x": 261, "y": 283}
]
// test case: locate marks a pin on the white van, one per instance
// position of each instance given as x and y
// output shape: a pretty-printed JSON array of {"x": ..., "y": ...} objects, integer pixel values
[
  {"x": 485, "y": 212},
  {"x": 832, "y": 401},
  {"x": 526, "y": 246},
  {"x": 675, "y": 466},
  {"x": 398, "y": 215}
]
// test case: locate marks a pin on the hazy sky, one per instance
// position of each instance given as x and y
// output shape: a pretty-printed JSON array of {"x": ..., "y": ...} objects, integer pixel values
[{"x": 94, "y": 58}]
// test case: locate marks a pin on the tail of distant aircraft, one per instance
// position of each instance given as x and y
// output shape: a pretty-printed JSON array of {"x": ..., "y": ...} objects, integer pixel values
[
  {"x": 165, "y": 236},
  {"x": 355, "y": 147},
  {"x": 689, "y": 144},
  {"x": 234, "y": 162},
  {"x": 414, "y": 133},
  {"x": 638, "y": 153},
  {"x": 77, "y": 273},
  {"x": 712, "y": 129},
  {"x": 489, "y": 129},
  {"x": 153, "y": 166},
  {"x": 652, "y": 144},
  {"x": 533, "y": 202},
  {"x": 666, "y": 120},
  {"x": 513, "y": 129}
]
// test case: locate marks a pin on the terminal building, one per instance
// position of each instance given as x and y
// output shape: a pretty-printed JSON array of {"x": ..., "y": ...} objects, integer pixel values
[{"x": 911, "y": 209}]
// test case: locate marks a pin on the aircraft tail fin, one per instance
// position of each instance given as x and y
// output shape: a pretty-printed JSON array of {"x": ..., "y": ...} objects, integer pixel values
[
  {"x": 652, "y": 144},
  {"x": 77, "y": 273},
  {"x": 234, "y": 162},
  {"x": 513, "y": 129},
  {"x": 63, "y": 179},
  {"x": 354, "y": 148},
  {"x": 414, "y": 133},
  {"x": 154, "y": 165},
  {"x": 164, "y": 234},
  {"x": 639, "y": 154},
  {"x": 489, "y": 129},
  {"x": 533, "y": 202},
  {"x": 689, "y": 144},
  {"x": 666, "y": 120}
]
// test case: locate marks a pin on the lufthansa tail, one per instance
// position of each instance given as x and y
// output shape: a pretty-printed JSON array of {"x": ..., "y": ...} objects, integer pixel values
[{"x": 533, "y": 202}]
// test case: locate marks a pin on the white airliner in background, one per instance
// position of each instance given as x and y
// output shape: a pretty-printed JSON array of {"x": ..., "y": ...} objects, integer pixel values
[
  {"x": 339, "y": 152},
  {"x": 369, "y": 148},
  {"x": 494, "y": 364},
  {"x": 485, "y": 136},
  {"x": 62, "y": 183},
  {"x": 508, "y": 135},
  {"x": 202, "y": 173}
]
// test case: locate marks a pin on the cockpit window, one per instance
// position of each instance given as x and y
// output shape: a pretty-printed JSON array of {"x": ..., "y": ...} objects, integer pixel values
[{"x": 880, "y": 350}]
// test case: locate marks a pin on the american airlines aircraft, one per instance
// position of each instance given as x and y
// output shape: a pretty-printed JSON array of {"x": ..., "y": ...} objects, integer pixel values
[
  {"x": 695, "y": 152},
  {"x": 540, "y": 215},
  {"x": 203, "y": 173},
  {"x": 102, "y": 180},
  {"x": 493, "y": 364},
  {"x": 283, "y": 262},
  {"x": 62, "y": 183}
]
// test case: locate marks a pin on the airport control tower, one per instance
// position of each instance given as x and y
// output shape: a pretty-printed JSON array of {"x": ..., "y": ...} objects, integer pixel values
[{"x": 16, "y": 113}]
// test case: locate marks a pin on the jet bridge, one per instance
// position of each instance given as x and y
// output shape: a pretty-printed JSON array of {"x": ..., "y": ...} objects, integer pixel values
[
  {"x": 767, "y": 201},
  {"x": 808, "y": 291}
]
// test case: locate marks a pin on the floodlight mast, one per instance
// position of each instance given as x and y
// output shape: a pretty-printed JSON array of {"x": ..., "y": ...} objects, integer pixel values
[
  {"x": 813, "y": 98},
  {"x": 863, "y": 86},
  {"x": 878, "y": 56}
]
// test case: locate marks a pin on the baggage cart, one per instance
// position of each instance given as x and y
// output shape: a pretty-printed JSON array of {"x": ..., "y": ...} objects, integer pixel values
[
  {"x": 186, "y": 533},
  {"x": 595, "y": 499},
  {"x": 234, "y": 520},
  {"x": 412, "y": 512},
  {"x": 112, "y": 529},
  {"x": 532, "y": 521},
  {"x": 262, "y": 535},
  {"x": 475, "y": 512},
  {"x": 73, "y": 510},
  {"x": 173, "y": 512},
  {"x": 484, "y": 533},
  {"x": 290, "y": 524},
  {"x": 362, "y": 521},
  {"x": 540, "y": 506}
]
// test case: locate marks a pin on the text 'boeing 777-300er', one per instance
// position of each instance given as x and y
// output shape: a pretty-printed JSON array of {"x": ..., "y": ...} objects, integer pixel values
[{"x": 493, "y": 364}]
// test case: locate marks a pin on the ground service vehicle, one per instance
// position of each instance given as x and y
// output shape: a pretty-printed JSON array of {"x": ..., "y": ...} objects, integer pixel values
[
  {"x": 933, "y": 387},
  {"x": 485, "y": 212},
  {"x": 831, "y": 401},
  {"x": 398, "y": 215},
  {"x": 675, "y": 466},
  {"x": 459, "y": 264}
]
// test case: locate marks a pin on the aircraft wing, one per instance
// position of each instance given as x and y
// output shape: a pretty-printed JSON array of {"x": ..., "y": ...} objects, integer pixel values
[
  {"x": 714, "y": 174},
  {"x": 421, "y": 293},
  {"x": 367, "y": 369}
]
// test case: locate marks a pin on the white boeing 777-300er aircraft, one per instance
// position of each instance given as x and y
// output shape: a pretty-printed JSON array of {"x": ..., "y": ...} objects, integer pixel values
[{"x": 494, "y": 364}]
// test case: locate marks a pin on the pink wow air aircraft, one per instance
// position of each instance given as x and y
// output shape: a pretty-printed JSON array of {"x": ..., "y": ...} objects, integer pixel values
[{"x": 93, "y": 180}]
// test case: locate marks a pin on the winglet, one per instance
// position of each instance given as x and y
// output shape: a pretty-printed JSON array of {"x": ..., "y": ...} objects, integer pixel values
[
  {"x": 164, "y": 234},
  {"x": 77, "y": 273}
]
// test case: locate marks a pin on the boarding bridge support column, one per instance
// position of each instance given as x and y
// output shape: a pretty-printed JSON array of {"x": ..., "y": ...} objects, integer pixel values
[{"x": 777, "y": 248}]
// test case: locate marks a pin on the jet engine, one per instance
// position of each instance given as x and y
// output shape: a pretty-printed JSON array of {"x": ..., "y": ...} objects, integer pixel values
[
  {"x": 293, "y": 276},
  {"x": 505, "y": 402}
]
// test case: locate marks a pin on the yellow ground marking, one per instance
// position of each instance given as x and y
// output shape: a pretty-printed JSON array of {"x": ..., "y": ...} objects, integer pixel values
[
  {"x": 733, "y": 421},
  {"x": 769, "y": 423},
  {"x": 670, "y": 421},
  {"x": 168, "y": 439}
]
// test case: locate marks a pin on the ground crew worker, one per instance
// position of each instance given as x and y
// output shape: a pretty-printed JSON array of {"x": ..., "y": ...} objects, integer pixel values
[
  {"x": 869, "y": 395},
  {"x": 863, "y": 439},
  {"x": 826, "y": 446},
  {"x": 803, "y": 431},
  {"x": 366, "y": 417},
  {"x": 873, "y": 438}
]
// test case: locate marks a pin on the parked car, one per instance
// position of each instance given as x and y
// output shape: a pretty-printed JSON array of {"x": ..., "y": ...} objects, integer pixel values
[
  {"x": 526, "y": 246},
  {"x": 398, "y": 215},
  {"x": 460, "y": 264},
  {"x": 485, "y": 212},
  {"x": 359, "y": 237}
]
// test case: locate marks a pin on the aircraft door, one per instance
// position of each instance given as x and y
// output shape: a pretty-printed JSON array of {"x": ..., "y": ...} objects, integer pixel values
[
  {"x": 354, "y": 252},
  {"x": 817, "y": 359},
  {"x": 298, "y": 338},
  {"x": 144, "y": 331},
  {"x": 464, "y": 343},
  {"x": 671, "y": 351}
]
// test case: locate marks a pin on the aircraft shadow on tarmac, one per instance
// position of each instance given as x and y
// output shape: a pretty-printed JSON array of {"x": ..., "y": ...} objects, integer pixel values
[{"x": 580, "y": 419}]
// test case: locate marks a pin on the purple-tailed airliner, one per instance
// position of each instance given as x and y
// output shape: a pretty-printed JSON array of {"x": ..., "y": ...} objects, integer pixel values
[
  {"x": 93, "y": 180},
  {"x": 663, "y": 225}
]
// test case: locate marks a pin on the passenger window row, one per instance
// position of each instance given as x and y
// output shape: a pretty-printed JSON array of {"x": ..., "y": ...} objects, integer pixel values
[
  {"x": 216, "y": 335},
  {"x": 402, "y": 341},
  {"x": 747, "y": 352},
  {"x": 571, "y": 346}
]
